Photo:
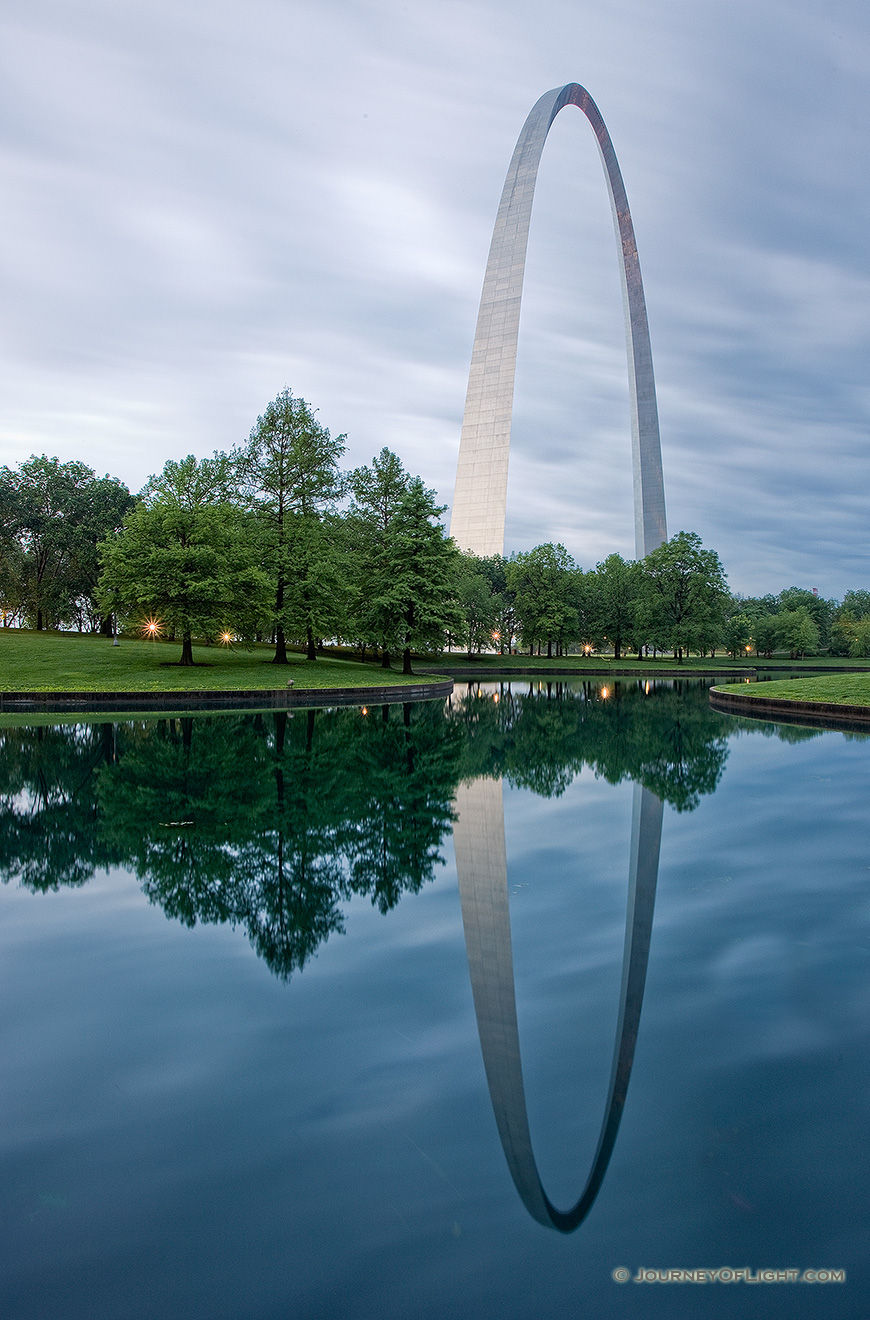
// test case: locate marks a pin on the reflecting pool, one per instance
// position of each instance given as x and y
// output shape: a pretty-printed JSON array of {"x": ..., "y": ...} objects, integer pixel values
[{"x": 435, "y": 1010}]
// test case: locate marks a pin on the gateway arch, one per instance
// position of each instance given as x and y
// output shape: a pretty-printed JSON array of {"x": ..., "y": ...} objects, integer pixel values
[{"x": 480, "y": 494}]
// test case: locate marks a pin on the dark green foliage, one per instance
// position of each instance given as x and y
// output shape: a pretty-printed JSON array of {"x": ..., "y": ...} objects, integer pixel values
[
  {"x": 370, "y": 531},
  {"x": 479, "y": 608},
  {"x": 422, "y": 600},
  {"x": 265, "y": 822},
  {"x": 53, "y": 516},
  {"x": 545, "y": 582},
  {"x": 49, "y": 817},
  {"x": 664, "y": 736},
  {"x": 797, "y": 632},
  {"x": 821, "y": 611},
  {"x": 290, "y": 475},
  {"x": 856, "y": 604},
  {"x": 685, "y": 596},
  {"x": 188, "y": 557},
  {"x": 612, "y": 594},
  {"x": 737, "y": 633},
  {"x": 272, "y": 822}
]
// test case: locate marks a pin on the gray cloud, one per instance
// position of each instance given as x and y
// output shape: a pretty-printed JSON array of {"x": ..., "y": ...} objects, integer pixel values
[{"x": 205, "y": 202}]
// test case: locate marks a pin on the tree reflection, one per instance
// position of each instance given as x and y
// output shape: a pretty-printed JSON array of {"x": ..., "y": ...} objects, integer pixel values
[
  {"x": 663, "y": 736},
  {"x": 49, "y": 816},
  {"x": 272, "y": 822}
]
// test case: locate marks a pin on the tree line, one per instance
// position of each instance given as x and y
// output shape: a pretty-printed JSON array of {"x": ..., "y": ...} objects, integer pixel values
[{"x": 276, "y": 541}]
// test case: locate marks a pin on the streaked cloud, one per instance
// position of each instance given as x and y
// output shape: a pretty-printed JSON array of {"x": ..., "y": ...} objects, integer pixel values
[{"x": 205, "y": 202}]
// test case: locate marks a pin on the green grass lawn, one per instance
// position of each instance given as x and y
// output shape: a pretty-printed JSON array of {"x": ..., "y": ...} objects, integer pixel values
[
  {"x": 72, "y": 662},
  {"x": 599, "y": 664},
  {"x": 843, "y": 689}
]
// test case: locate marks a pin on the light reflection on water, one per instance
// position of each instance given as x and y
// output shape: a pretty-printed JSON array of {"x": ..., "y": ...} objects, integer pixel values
[{"x": 273, "y": 1102}]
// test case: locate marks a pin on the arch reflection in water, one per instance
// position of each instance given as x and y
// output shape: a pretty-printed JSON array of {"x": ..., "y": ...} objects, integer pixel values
[{"x": 481, "y": 865}]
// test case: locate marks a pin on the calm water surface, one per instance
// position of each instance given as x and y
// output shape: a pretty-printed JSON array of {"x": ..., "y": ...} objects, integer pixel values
[{"x": 248, "y": 1072}]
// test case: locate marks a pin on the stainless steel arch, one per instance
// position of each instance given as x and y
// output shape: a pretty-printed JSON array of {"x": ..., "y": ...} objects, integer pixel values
[
  {"x": 481, "y": 866},
  {"x": 480, "y": 493}
]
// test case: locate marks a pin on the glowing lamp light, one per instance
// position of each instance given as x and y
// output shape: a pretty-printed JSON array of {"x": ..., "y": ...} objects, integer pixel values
[
  {"x": 152, "y": 628},
  {"x": 226, "y": 638}
]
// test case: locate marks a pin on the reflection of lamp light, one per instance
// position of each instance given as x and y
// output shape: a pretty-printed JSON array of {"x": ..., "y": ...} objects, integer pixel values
[
  {"x": 646, "y": 687},
  {"x": 365, "y": 710},
  {"x": 605, "y": 694},
  {"x": 495, "y": 698}
]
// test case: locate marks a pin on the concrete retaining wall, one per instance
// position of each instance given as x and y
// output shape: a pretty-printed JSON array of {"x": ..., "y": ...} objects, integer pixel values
[{"x": 20, "y": 703}]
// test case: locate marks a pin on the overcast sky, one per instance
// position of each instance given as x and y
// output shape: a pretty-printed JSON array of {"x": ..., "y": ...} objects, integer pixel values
[{"x": 206, "y": 200}]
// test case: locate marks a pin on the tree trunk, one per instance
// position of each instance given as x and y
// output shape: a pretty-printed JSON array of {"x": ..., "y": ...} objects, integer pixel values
[
  {"x": 406, "y": 661},
  {"x": 39, "y": 620},
  {"x": 385, "y": 659},
  {"x": 280, "y": 656},
  {"x": 106, "y": 628},
  {"x": 311, "y": 651},
  {"x": 186, "y": 650},
  {"x": 549, "y": 648}
]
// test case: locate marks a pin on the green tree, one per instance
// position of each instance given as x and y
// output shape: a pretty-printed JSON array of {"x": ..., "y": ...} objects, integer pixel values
[
  {"x": 289, "y": 471},
  {"x": 859, "y": 642},
  {"x": 685, "y": 594},
  {"x": 101, "y": 508},
  {"x": 765, "y": 634},
  {"x": 494, "y": 568},
  {"x": 377, "y": 493},
  {"x": 797, "y": 631},
  {"x": 13, "y": 565},
  {"x": 544, "y": 581},
  {"x": 820, "y": 610},
  {"x": 188, "y": 555},
  {"x": 612, "y": 595},
  {"x": 426, "y": 567},
  {"x": 737, "y": 634},
  {"x": 856, "y": 604},
  {"x": 52, "y": 516},
  {"x": 479, "y": 606}
]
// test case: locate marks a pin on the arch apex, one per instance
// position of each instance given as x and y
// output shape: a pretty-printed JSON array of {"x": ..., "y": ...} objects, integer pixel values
[{"x": 480, "y": 492}]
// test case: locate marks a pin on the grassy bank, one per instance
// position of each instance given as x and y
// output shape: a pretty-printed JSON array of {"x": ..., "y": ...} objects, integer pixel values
[
  {"x": 601, "y": 664},
  {"x": 72, "y": 662},
  {"x": 840, "y": 689}
]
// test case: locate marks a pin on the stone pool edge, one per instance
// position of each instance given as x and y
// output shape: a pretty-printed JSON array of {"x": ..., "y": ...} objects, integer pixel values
[
  {"x": 26, "y": 703},
  {"x": 813, "y": 714}
]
